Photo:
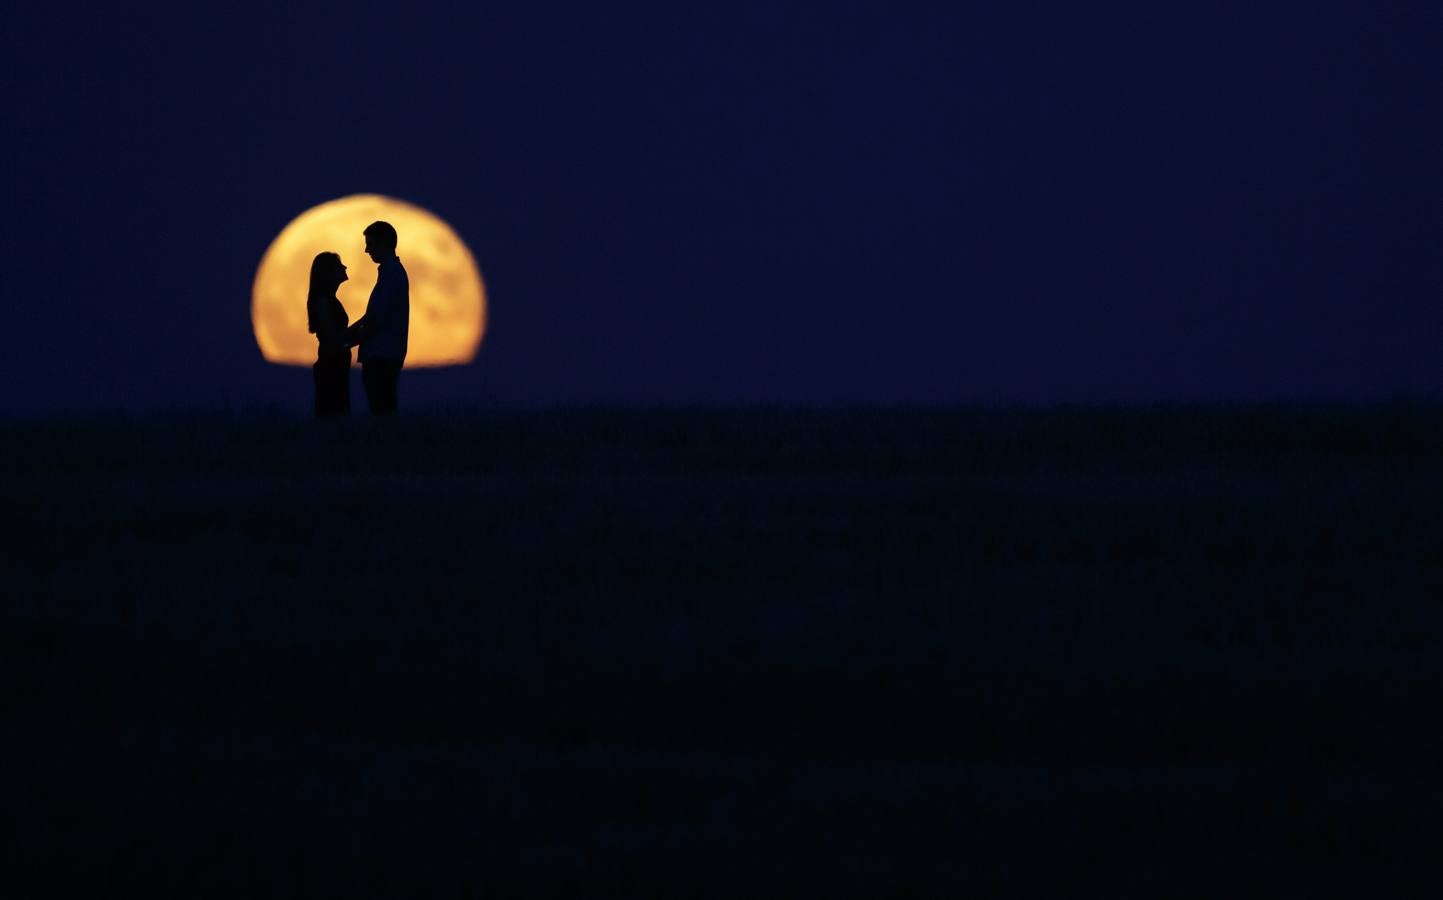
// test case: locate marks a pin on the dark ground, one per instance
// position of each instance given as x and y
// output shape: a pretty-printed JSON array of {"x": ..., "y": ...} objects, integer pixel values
[{"x": 1125, "y": 653}]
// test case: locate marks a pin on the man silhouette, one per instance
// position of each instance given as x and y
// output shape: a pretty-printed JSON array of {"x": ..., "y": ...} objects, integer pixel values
[{"x": 382, "y": 331}]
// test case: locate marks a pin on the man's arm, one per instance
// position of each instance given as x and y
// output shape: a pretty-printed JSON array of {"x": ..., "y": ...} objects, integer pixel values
[{"x": 376, "y": 319}]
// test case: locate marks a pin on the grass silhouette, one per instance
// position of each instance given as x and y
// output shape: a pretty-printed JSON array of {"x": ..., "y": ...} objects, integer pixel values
[{"x": 1133, "y": 651}]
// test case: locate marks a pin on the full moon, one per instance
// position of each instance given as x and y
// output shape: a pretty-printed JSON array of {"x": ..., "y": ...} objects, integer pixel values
[{"x": 448, "y": 300}]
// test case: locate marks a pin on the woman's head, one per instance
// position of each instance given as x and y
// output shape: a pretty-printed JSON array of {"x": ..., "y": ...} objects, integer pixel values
[
  {"x": 327, "y": 270},
  {"x": 327, "y": 273}
]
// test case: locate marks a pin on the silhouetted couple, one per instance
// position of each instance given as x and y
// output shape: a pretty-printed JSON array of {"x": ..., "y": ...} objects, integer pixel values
[{"x": 381, "y": 332}]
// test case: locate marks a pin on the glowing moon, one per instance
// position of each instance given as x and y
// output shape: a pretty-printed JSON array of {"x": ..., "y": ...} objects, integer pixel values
[{"x": 448, "y": 300}]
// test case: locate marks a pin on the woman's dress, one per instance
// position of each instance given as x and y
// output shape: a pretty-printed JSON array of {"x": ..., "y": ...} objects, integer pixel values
[{"x": 333, "y": 360}]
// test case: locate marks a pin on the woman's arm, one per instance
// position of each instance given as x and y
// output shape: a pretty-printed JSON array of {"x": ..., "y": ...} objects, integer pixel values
[
  {"x": 329, "y": 331},
  {"x": 353, "y": 335}
]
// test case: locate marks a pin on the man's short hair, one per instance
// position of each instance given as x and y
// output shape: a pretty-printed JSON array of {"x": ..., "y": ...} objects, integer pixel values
[{"x": 381, "y": 233}]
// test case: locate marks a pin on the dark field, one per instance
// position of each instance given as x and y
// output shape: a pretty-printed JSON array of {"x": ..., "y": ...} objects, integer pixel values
[{"x": 1150, "y": 653}]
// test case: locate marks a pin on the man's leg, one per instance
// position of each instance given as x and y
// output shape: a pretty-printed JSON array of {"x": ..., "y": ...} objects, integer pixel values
[
  {"x": 390, "y": 374},
  {"x": 380, "y": 378}
]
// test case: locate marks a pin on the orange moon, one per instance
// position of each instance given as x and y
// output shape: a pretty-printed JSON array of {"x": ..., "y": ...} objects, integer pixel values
[{"x": 448, "y": 298}]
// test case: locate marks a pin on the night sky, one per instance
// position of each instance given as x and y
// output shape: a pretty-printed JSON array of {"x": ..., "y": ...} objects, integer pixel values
[{"x": 745, "y": 203}]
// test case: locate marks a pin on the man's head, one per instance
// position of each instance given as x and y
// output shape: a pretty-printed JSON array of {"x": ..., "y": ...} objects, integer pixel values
[{"x": 380, "y": 241}]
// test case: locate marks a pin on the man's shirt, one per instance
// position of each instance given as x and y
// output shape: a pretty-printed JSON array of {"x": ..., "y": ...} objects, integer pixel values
[{"x": 386, "y": 326}]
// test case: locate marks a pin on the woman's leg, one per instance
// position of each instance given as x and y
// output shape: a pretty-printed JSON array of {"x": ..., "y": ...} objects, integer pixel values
[
  {"x": 343, "y": 386},
  {"x": 318, "y": 376},
  {"x": 332, "y": 387}
]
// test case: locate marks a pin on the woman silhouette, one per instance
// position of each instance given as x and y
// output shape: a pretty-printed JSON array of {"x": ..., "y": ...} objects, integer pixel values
[{"x": 327, "y": 320}]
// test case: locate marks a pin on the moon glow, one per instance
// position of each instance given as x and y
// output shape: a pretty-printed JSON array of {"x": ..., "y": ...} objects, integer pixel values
[{"x": 448, "y": 298}]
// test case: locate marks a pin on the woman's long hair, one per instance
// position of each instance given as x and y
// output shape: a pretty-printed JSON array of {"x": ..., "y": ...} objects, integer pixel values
[{"x": 323, "y": 286}]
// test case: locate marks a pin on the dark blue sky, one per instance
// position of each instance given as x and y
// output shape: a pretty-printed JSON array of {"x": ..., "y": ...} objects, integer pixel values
[{"x": 746, "y": 203}]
